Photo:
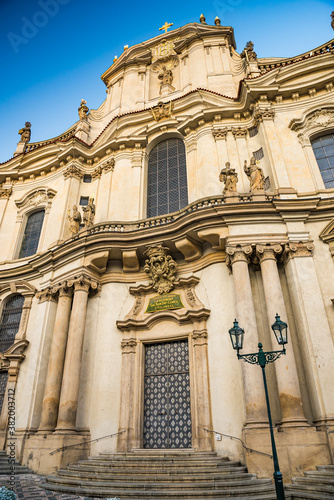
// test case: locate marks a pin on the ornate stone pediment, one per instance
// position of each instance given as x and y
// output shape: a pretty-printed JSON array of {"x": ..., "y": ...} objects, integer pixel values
[
  {"x": 313, "y": 121},
  {"x": 182, "y": 306},
  {"x": 38, "y": 197}
]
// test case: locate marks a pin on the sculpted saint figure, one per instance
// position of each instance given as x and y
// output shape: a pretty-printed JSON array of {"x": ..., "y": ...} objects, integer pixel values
[
  {"x": 83, "y": 110},
  {"x": 74, "y": 220},
  {"x": 25, "y": 132},
  {"x": 255, "y": 175},
  {"x": 89, "y": 213},
  {"x": 166, "y": 75},
  {"x": 229, "y": 176}
]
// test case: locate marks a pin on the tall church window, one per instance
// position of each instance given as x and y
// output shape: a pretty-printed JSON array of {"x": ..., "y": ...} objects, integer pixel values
[
  {"x": 32, "y": 234},
  {"x": 323, "y": 148},
  {"x": 167, "y": 178},
  {"x": 10, "y": 321}
]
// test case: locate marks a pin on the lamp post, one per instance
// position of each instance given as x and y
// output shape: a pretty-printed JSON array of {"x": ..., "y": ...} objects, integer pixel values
[{"x": 263, "y": 358}]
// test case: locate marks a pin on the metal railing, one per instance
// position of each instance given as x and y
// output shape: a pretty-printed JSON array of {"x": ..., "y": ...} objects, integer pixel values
[
  {"x": 84, "y": 442},
  {"x": 241, "y": 441}
]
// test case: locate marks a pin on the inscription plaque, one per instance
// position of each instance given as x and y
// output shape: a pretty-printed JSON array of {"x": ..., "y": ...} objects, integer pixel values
[{"x": 165, "y": 301}]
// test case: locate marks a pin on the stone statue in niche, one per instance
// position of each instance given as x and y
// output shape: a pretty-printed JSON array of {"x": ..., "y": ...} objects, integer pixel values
[
  {"x": 161, "y": 268},
  {"x": 166, "y": 75},
  {"x": 74, "y": 220},
  {"x": 83, "y": 110},
  {"x": 255, "y": 175},
  {"x": 25, "y": 133},
  {"x": 229, "y": 176},
  {"x": 89, "y": 213}
]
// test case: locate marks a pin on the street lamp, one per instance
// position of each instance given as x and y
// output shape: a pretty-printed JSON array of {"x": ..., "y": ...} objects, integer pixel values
[{"x": 261, "y": 358}]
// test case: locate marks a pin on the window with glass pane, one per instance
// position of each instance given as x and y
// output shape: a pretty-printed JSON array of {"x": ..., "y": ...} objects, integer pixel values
[
  {"x": 167, "y": 178},
  {"x": 10, "y": 321},
  {"x": 31, "y": 234},
  {"x": 323, "y": 148}
]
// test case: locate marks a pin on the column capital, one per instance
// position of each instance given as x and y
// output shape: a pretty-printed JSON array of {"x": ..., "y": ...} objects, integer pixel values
[
  {"x": 268, "y": 252},
  {"x": 47, "y": 295},
  {"x": 300, "y": 249},
  {"x": 238, "y": 253},
  {"x": 83, "y": 283},
  {"x": 65, "y": 290}
]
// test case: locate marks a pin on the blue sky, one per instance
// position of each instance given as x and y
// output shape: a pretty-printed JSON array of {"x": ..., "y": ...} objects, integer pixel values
[{"x": 53, "y": 52}]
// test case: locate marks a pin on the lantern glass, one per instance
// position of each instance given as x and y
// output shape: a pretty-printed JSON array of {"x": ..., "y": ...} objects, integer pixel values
[
  {"x": 280, "y": 330},
  {"x": 237, "y": 336}
]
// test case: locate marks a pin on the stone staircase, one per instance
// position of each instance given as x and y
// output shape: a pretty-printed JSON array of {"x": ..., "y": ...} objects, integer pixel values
[
  {"x": 160, "y": 475},
  {"x": 6, "y": 467},
  {"x": 316, "y": 485}
]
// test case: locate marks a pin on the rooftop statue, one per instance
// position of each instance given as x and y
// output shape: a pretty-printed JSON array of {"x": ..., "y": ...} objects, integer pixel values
[
  {"x": 332, "y": 16},
  {"x": 229, "y": 176},
  {"x": 83, "y": 110},
  {"x": 255, "y": 175},
  {"x": 25, "y": 132},
  {"x": 248, "y": 53}
]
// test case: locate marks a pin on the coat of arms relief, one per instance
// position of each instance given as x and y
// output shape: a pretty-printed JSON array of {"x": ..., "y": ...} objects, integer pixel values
[{"x": 164, "y": 60}]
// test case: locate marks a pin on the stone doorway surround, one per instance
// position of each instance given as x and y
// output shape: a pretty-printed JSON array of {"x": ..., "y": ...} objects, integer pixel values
[{"x": 187, "y": 322}]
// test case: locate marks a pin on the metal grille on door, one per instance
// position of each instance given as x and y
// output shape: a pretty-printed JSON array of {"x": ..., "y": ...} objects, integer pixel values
[{"x": 167, "y": 418}]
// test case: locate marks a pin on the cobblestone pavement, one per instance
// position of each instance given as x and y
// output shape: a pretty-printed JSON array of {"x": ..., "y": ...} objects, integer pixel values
[{"x": 29, "y": 487}]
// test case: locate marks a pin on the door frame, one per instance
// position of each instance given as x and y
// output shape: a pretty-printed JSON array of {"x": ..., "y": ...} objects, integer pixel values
[{"x": 141, "y": 410}]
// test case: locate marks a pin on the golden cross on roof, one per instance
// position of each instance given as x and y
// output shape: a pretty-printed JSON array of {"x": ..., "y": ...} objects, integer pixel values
[{"x": 166, "y": 26}]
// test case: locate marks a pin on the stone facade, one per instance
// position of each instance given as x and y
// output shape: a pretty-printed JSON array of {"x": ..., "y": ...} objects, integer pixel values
[{"x": 78, "y": 358}]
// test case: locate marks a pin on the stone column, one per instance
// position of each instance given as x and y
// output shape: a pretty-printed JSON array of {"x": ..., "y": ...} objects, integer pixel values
[
  {"x": 71, "y": 376},
  {"x": 203, "y": 420},
  {"x": 286, "y": 370},
  {"x": 56, "y": 361},
  {"x": 314, "y": 334},
  {"x": 238, "y": 258},
  {"x": 126, "y": 423}
]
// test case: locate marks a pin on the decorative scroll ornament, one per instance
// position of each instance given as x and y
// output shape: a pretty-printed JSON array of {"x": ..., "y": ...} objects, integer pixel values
[
  {"x": 161, "y": 268},
  {"x": 162, "y": 110}
]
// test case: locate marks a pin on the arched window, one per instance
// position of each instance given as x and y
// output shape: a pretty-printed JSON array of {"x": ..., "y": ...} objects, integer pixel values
[
  {"x": 323, "y": 148},
  {"x": 32, "y": 233},
  {"x": 167, "y": 178},
  {"x": 10, "y": 321}
]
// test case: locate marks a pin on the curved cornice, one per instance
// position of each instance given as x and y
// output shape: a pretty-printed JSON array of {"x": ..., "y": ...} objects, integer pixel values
[{"x": 200, "y": 222}]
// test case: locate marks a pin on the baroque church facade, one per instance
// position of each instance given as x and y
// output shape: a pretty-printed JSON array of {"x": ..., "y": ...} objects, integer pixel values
[{"x": 200, "y": 191}]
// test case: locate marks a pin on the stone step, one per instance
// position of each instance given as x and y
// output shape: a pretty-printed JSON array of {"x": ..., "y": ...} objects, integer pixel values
[
  {"x": 325, "y": 467},
  {"x": 314, "y": 474},
  {"x": 252, "y": 482},
  {"x": 299, "y": 492},
  {"x": 320, "y": 483},
  {"x": 153, "y": 476},
  {"x": 157, "y": 464},
  {"x": 241, "y": 493},
  {"x": 156, "y": 470},
  {"x": 157, "y": 459}
]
